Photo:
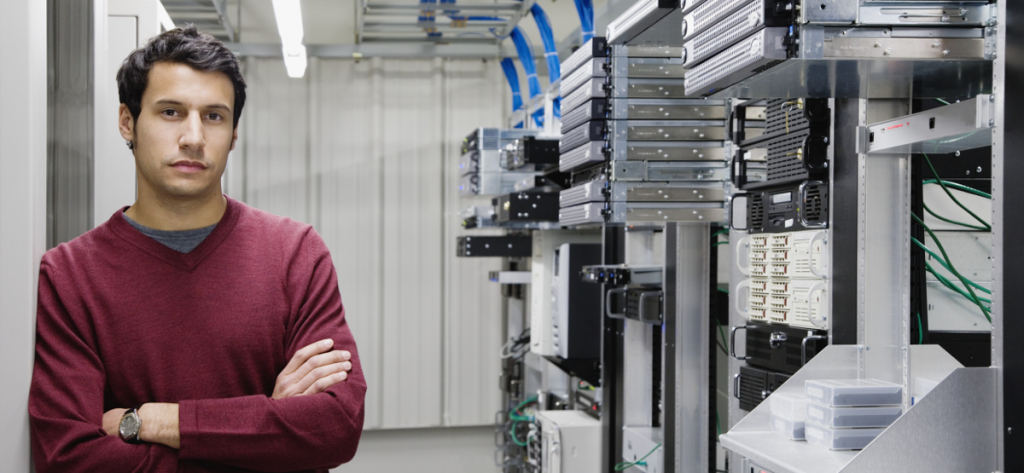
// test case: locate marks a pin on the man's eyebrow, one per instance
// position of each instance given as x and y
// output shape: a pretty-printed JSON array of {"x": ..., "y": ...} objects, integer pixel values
[{"x": 175, "y": 102}]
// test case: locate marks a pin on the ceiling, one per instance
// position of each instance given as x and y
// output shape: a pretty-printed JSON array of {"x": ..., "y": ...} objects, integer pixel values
[{"x": 324, "y": 21}]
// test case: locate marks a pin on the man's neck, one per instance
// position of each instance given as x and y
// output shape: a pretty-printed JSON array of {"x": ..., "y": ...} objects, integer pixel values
[{"x": 176, "y": 214}]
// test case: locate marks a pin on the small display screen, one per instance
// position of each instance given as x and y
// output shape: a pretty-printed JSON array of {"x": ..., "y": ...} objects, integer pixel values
[{"x": 782, "y": 197}]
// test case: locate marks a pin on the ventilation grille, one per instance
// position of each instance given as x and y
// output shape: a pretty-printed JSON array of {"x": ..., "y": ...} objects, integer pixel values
[
  {"x": 724, "y": 33},
  {"x": 783, "y": 115},
  {"x": 755, "y": 212},
  {"x": 793, "y": 357},
  {"x": 752, "y": 388},
  {"x": 815, "y": 205},
  {"x": 731, "y": 61},
  {"x": 708, "y": 14},
  {"x": 759, "y": 348},
  {"x": 785, "y": 159}
]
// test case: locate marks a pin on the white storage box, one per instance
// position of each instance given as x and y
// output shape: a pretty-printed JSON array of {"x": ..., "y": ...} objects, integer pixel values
[
  {"x": 840, "y": 439},
  {"x": 789, "y": 429},
  {"x": 853, "y": 392},
  {"x": 791, "y": 407},
  {"x": 847, "y": 417}
]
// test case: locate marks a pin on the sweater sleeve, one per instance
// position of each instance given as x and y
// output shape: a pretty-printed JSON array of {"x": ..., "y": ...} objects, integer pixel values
[
  {"x": 66, "y": 400},
  {"x": 302, "y": 432}
]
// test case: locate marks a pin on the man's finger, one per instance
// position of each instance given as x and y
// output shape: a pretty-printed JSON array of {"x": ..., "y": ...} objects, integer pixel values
[
  {"x": 322, "y": 384},
  {"x": 319, "y": 366},
  {"x": 306, "y": 353}
]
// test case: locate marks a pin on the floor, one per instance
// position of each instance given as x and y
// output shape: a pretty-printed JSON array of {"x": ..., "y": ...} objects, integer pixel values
[{"x": 447, "y": 450}]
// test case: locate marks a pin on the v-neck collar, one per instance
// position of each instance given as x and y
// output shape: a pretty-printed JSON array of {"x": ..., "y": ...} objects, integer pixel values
[{"x": 186, "y": 261}]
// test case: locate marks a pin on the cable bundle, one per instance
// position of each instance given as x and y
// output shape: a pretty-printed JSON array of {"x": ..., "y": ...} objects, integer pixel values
[
  {"x": 548, "y": 37},
  {"x": 585, "y": 8},
  {"x": 526, "y": 57},
  {"x": 513, "y": 82}
]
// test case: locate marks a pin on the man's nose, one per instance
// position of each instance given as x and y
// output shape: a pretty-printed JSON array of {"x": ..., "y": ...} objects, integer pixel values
[{"x": 192, "y": 135}]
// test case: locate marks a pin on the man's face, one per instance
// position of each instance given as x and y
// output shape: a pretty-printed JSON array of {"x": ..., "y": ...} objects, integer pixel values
[{"x": 184, "y": 131}]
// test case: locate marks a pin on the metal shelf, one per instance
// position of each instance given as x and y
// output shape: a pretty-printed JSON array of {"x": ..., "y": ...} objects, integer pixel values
[{"x": 949, "y": 423}]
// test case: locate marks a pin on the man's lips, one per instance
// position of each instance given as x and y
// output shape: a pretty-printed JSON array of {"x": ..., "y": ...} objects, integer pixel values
[{"x": 189, "y": 166}]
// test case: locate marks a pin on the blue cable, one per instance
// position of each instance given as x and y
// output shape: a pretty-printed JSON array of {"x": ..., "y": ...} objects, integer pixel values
[
  {"x": 548, "y": 37},
  {"x": 585, "y": 8},
  {"x": 522, "y": 44},
  {"x": 513, "y": 82}
]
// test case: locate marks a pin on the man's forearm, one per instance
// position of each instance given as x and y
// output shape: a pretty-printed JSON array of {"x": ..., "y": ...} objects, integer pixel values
[{"x": 160, "y": 424}]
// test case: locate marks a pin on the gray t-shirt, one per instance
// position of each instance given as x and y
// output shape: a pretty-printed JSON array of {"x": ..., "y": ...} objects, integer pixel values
[{"x": 182, "y": 241}]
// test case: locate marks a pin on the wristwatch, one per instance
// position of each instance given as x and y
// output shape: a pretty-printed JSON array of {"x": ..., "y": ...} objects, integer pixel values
[{"x": 130, "y": 426}]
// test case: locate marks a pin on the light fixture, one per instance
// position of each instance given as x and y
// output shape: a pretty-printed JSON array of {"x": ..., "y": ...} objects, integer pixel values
[
  {"x": 165, "y": 19},
  {"x": 294, "y": 60},
  {"x": 289, "y": 26}
]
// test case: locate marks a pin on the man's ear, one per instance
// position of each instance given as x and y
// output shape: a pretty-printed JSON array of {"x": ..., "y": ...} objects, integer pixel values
[
  {"x": 234, "y": 138},
  {"x": 126, "y": 123}
]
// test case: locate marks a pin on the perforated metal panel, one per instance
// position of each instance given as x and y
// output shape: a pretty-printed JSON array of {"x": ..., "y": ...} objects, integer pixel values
[
  {"x": 785, "y": 159},
  {"x": 783, "y": 115},
  {"x": 724, "y": 33}
]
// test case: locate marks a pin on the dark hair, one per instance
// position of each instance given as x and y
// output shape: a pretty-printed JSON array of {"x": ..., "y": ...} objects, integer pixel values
[{"x": 184, "y": 45}]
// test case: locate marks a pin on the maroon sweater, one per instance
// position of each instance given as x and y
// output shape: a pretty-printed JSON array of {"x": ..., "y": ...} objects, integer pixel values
[{"x": 124, "y": 320}]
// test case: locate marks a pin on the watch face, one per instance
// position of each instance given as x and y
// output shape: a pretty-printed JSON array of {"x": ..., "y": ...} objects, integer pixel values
[{"x": 129, "y": 426}]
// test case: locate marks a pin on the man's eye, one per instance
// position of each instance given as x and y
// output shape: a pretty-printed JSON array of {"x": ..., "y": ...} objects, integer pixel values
[
  {"x": 215, "y": 116},
  {"x": 170, "y": 112}
]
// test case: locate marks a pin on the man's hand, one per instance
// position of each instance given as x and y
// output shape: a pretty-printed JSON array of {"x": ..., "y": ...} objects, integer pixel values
[
  {"x": 312, "y": 370},
  {"x": 112, "y": 420}
]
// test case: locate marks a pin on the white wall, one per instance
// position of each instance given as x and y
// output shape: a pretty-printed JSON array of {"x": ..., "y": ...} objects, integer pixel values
[
  {"x": 121, "y": 27},
  {"x": 366, "y": 153},
  {"x": 22, "y": 214}
]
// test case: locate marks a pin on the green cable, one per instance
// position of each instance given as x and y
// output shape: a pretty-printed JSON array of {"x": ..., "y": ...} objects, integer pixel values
[
  {"x": 514, "y": 439},
  {"x": 920, "y": 330},
  {"x": 641, "y": 462},
  {"x": 950, "y": 194},
  {"x": 954, "y": 222},
  {"x": 944, "y": 265},
  {"x": 719, "y": 243},
  {"x": 718, "y": 423},
  {"x": 721, "y": 331},
  {"x": 960, "y": 187},
  {"x": 721, "y": 289},
  {"x": 524, "y": 403},
  {"x": 949, "y": 284},
  {"x": 956, "y": 273},
  {"x": 943, "y": 102},
  {"x": 724, "y": 231}
]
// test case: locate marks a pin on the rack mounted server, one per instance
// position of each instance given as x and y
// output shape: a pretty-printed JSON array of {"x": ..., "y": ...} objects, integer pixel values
[
  {"x": 729, "y": 41},
  {"x": 482, "y": 166}
]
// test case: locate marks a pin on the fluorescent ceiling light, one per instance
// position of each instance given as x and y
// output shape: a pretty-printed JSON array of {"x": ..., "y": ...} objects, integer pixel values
[
  {"x": 165, "y": 19},
  {"x": 289, "y": 21},
  {"x": 294, "y": 60},
  {"x": 289, "y": 26}
]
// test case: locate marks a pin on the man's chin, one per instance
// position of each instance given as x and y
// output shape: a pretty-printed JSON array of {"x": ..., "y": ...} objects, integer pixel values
[{"x": 189, "y": 192}]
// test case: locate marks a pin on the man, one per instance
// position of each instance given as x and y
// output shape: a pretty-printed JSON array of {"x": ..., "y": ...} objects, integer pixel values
[{"x": 191, "y": 332}]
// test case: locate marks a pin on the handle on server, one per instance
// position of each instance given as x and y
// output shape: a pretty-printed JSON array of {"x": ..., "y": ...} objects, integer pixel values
[
  {"x": 732, "y": 343},
  {"x": 803, "y": 345},
  {"x": 810, "y": 256},
  {"x": 740, "y": 247},
  {"x": 608, "y": 304},
  {"x": 744, "y": 311},
  {"x": 823, "y": 322},
  {"x": 736, "y": 385}
]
